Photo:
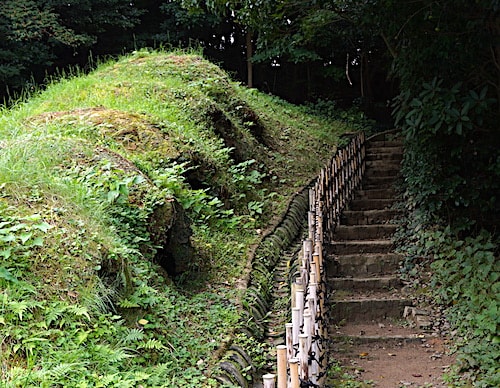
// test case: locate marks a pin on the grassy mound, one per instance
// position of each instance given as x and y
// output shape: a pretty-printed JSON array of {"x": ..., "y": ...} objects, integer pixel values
[{"x": 152, "y": 168}]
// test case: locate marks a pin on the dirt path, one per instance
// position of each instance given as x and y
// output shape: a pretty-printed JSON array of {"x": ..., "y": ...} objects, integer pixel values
[{"x": 393, "y": 356}]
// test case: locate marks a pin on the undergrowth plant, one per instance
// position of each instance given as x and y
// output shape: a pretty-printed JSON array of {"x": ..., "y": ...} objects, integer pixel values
[
  {"x": 465, "y": 280},
  {"x": 93, "y": 171}
]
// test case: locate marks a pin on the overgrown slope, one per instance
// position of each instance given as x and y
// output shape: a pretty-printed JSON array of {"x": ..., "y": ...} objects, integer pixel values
[{"x": 151, "y": 168}]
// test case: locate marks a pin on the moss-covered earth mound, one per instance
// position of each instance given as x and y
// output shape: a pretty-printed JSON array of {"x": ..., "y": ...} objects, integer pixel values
[{"x": 129, "y": 200}]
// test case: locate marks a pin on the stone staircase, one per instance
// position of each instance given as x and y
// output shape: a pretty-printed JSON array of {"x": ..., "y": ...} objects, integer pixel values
[
  {"x": 363, "y": 269},
  {"x": 369, "y": 333}
]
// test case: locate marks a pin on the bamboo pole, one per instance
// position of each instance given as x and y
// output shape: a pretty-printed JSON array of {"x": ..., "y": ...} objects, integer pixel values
[
  {"x": 299, "y": 303},
  {"x": 289, "y": 340},
  {"x": 317, "y": 265},
  {"x": 269, "y": 380},
  {"x": 311, "y": 223},
  {"x": 312, "y": 305},
  {"x": 304, "y": 275},
  {"x": 295, "y": 325},
  {"x": 297, "y": 286},
  {"x": 303, "y": 357},
  {"x": 307, "y": 246},
  {"x": 281, "y": 351},
  {"x": 294, "y": 373},
  {"x": 307, "y": 327}
]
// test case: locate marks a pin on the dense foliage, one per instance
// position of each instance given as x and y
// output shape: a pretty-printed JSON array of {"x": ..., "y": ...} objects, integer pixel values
[
  {"x": 448, "y": 65},
  {"x": 38, "y": 35}
]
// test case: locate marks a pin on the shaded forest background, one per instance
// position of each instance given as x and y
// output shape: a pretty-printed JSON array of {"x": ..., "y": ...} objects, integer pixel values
[
  {"x": 431, "y": 67},
  {"x": 40, "y": 38}
]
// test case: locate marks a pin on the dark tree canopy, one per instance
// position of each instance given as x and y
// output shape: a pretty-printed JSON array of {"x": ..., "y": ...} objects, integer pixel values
[{"x": 38, "y": 34}]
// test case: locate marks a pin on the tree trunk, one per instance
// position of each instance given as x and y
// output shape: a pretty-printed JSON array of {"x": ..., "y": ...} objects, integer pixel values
[{"x": 249, "y": 59}]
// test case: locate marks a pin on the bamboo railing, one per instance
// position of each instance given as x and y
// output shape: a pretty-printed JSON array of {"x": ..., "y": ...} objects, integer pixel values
[{"x": 303, "y": 360}]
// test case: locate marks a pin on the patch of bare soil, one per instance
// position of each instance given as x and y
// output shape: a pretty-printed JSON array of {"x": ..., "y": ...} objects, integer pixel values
[{"x": 397, "y": 363}]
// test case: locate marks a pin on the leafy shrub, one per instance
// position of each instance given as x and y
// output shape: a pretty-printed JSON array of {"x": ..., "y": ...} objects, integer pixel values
[{"x": 466, "y": 280}]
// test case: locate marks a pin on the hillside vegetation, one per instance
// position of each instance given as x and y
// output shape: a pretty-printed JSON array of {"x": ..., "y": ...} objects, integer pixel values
[{"x": 129, "y": 200}]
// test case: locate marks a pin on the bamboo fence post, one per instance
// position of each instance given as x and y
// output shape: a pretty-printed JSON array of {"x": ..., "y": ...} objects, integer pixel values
[
  {"x": 303, "y": 357},
  {"x": 295, "y": 325},
  {"x": 294, "y": 373},
  {"x": 304, "y": 276},
  {"x": 312, "y": 306},
  {"x": 297, "y": 293},
  {"x": 299, "y": 302},
  {"x": 316, "y": 261},
  {"x": 281, "y": 351},
  {"x": 311, "y": 222},
  {"x": 307, "y": 327},
  {"x": 289, "y": 340},
  {"x": 313, "y": 293},
  {"x": 319, "y": 251},
  {"x": 269, "y": 380},
  {"x": 320, "y": 228},
  {"x": 308, "y": 249}
]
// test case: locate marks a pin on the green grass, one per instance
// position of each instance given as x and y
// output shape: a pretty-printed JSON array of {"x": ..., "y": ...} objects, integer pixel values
[{"x": 89, "y": 168}]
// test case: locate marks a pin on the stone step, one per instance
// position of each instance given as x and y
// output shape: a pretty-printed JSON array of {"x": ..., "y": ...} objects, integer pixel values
[
  {"x": 362, "y": 264},
  {"x": 375, "y": 194},
  {"x": 384, "y": 155},
  {"x": 383, "y": 143},
  {"x": 368, "y": 217},
  {"x": 361, "y": 246},
  {"x": 387, "y": 185},
  {"x": 369, "y": 283},
  {"x": 364, "y": 232},
  {"x": 382, "y": 172},
  {"x": 366, "y": 310},
  {"x": 370, "y": 204},
  {"x": 398, "y": 152},
  {"x": 383, "y": 164},
  {"x": 380, "y": 177},
  {"x": 380, "y": 330},
  {"x": 378, "y": 182}
]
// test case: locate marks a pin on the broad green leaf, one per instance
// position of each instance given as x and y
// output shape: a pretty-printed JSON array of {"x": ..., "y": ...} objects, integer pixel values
[
  {"x": 37, "y": 241},
  {"x": 113, "y": 195},
  {"x": 6, "y": 253},
  {"x": 43, "y": 226},
  {"x": 8, "y": 238},
  {"x": 25, "y": 236},
  {"x": 6, "y": 275}
]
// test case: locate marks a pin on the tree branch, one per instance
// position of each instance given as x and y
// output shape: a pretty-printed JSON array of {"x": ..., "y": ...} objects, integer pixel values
[{"x": 390, "y": 47}]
